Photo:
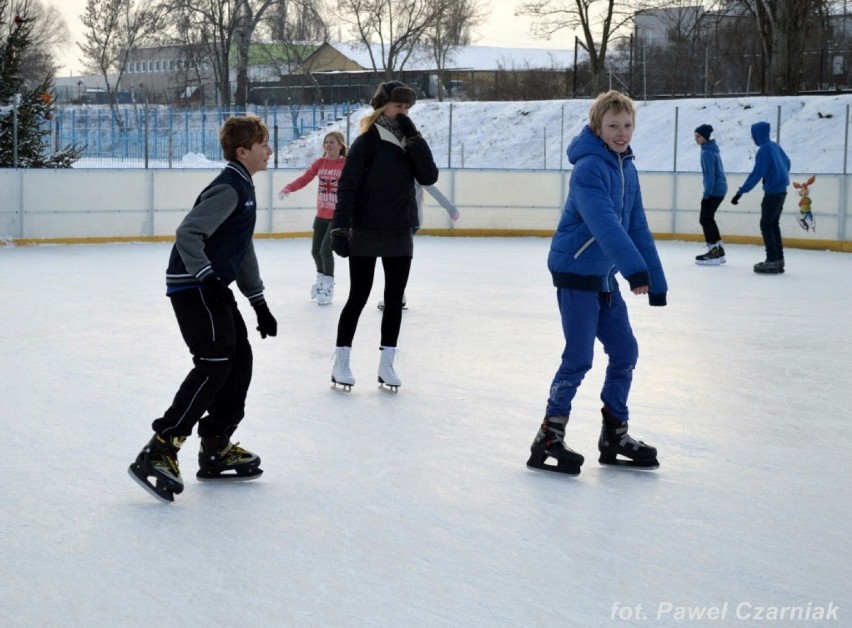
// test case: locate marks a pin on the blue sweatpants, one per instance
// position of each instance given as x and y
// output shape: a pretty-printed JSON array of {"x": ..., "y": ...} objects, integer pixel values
[{"x": 586, "y": 316}]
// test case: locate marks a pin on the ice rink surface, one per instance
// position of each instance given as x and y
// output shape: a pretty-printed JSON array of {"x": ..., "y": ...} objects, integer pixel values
[{"x": 416, "y": 509}]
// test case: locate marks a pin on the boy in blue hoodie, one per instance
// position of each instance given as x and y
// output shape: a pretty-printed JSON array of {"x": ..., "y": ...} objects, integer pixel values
[
  {"x": 772, "y": 166},
  {"x": 715, "y": 188},
  {"x": 602, "y": 231}
]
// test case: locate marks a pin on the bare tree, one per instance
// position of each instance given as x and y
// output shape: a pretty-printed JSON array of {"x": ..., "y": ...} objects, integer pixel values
[
  {"x": 48, "y": 33},
  {"x": 396, "y": 27},
  {"x": 454, "y": 20},
  {"x": 599, "y": 22},
  {"x": 223, "y": 27},
  {"x": 113, "y": 29},
  {"x": 295, "y": 21},
  {"x": 784, "y": 26}
]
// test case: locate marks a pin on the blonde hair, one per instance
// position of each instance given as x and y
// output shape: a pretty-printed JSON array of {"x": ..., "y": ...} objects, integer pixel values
[
  {"x": 241, "y": 132},
  {"x": 612, "y": 101},
  {"x": 369, "y": 120},
  {"x": 340, "y": 140}
]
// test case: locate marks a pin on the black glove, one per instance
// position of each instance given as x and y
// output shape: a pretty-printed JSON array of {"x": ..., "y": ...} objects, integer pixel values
[
  {"x": 216, "y": 292},
  {"x": 266, "y": 323},
  {"x": 340, "y": 242},
  {"x": 736, "y": 198},
  {"x": 407, "y": 126}
]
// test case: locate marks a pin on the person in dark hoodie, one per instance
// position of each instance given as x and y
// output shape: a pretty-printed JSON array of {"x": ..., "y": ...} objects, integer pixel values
[
  {"x": 772, "y": 166},
  {"x": 213, "y": 247},
  {"x": 603, "y": 231},
  {"x": 375, "y": 217},
  {"x": 715, "y": 188}
]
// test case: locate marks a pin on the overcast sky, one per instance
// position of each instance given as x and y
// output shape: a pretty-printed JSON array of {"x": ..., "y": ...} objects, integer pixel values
[{"x": 502, "y": 28}]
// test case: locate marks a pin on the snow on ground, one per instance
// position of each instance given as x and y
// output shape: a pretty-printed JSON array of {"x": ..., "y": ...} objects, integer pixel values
[
  {"x": 534, "y": 134},
  {"x": 416, "y": 509}
]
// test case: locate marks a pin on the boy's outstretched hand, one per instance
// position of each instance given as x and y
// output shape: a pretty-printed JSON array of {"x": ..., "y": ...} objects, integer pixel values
[{"x": 640, "y": 290}]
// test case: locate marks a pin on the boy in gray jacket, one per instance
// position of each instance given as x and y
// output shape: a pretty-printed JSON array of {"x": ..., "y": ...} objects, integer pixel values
[{"x": 213, "y": 248}]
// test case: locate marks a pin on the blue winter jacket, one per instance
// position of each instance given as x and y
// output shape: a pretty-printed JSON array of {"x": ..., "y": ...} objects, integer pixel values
[
  {"x": 771, "y": 163},
  {"x": 715, "y": 183},
  {"x": 603, "y": 229}
]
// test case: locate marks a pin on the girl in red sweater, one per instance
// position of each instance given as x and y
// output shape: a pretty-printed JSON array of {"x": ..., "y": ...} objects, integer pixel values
[{"x": 327, "y": 168}]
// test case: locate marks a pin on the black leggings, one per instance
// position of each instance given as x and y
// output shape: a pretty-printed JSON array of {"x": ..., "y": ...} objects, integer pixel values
[{"x": 361, "y": 272}]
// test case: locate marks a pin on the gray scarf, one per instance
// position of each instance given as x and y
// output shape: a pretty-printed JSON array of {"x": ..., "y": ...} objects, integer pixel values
[{"x": 390, "y": 125}]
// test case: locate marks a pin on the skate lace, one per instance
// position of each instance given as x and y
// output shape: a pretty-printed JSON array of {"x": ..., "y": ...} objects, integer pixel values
[
  {"x": 553, "y": 436},
  {"x": 168, "y": 462},
  {"x": 167, "y": 459},
  {"x": 627, "y": 440},
  {"x": 233, "y": 453}
]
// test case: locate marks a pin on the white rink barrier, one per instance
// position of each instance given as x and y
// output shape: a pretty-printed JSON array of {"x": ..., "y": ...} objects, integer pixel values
[{"x": 39, "y": 205}]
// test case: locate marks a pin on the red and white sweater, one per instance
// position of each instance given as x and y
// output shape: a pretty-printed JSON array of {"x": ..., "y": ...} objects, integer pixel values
[{"x": 328, "y": 172}]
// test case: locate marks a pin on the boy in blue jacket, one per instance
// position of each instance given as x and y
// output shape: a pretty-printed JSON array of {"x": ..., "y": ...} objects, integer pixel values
[
  {"x": 715, "y": 188},
  {"x": 213, "y": 248},
  {"x": 603, "y": 230},
  {"x": 772, "y": 166}
]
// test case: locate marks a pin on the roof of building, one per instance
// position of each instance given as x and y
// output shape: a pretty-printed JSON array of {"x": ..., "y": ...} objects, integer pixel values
[{"x": 467, "y": 58}]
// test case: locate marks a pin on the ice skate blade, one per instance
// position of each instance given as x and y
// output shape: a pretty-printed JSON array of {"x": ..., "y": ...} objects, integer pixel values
[
  {"x": 391, "y": 388},
  {"x": 213, "y": 476},
  {"x": 343, "y": 387},
  {"x": 381, "y": 307},
  {"x": 562, "y": 466},
  {"x": 161, "y": 493},
  {"x": 629, "y": 465}
]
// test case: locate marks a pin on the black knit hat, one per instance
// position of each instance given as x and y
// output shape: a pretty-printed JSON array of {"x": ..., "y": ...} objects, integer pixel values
[
  {"x": 704, "y": 131},
  {"x": 392, "y": 91}
]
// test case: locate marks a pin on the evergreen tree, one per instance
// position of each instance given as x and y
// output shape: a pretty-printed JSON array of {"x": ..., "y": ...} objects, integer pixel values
[{"x": 34, "y": 109}]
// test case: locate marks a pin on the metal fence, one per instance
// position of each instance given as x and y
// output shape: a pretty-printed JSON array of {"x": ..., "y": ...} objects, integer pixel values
[
  {"x": 164, "y": 136},
  {"x": 524, "y": 136}
]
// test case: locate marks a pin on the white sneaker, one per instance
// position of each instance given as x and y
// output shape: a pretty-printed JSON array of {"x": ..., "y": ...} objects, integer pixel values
[
  {"x": 387, "y": 374},
  {"x": 316, "y": 286},
  {"x": 340, "y": 373}
]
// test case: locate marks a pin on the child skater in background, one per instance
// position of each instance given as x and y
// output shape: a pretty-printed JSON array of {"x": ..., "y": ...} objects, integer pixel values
[
  {"x": 772, "y": 166},
  {"x": 715, "y": 188},
  {"x": 376, "y": 217},
  {"x": 327, "y": 168},
  {"x": 603, "y": 230}
]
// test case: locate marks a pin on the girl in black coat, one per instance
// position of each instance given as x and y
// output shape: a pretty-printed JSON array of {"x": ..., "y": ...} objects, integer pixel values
[{"x": 375, "y": 217}]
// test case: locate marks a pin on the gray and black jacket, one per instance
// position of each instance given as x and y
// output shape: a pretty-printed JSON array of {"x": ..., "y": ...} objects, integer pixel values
[{"x": 215, "y": 237}]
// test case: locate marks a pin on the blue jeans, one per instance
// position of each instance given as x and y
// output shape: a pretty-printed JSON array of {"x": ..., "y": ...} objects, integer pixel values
[
  {"x": 586, "y": 316},
  {"x": 770, "y": 225}
]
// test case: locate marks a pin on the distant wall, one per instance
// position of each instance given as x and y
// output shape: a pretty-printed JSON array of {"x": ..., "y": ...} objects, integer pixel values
[{"x": 79, "y": 205}]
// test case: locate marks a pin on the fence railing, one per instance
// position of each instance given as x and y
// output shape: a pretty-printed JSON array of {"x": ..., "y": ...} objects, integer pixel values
[
  {"x": 164, "y": 136},
  {"x": 522, "y": 136}
]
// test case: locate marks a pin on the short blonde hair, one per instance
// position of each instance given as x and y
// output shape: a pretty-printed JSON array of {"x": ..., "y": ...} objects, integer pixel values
[
  {"x": 241, "y": 132},
  {"x": 612, "y": 101}
]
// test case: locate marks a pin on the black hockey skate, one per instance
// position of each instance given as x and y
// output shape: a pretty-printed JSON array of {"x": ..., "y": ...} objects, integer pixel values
[
  {"x": 156, "y": 467},
  {"x": 615, "y": 441},
  {"x": 549, "y": 442},
  {"x": 220, "y": 459}
]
